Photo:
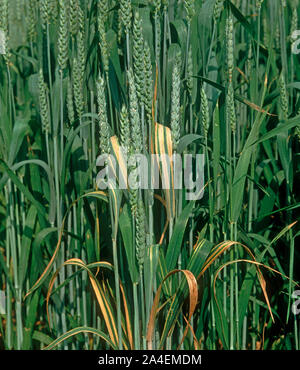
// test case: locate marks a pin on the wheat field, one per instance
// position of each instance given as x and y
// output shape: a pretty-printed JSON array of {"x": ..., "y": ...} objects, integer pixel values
[{"x": 95, "y": 97}]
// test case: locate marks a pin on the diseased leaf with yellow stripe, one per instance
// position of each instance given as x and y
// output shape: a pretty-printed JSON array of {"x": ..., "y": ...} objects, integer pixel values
[
  {"x": 164, "y": 151},
  {"x": 220, "y": 249},
  {"x": 127, "y": 317},
  {"x": 121, "y": 161},
  {"x": 96, "y": 194},
  {"x": 193, "y": 295},
  {"x": 79, "y": 330},
  {"x": 263, "y": 285},
  {"x": 100, "y": 295}
]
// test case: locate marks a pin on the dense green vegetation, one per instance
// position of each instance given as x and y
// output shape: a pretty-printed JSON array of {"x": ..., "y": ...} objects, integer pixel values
[{"x": 88, "y": 268}]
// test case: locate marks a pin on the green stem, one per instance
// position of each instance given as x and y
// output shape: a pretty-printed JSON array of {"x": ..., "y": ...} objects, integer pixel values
[
  {"x": 49, "y": 59},
  {"x": 144, "y": 327},
  {"x": 257, "y": 51},
  {"x": 210, "y": 49},
  {"x": 128, "y": 49},
  {"x": 116, "y": 275},
  {"x": 136, "y": 318},
  {"x": 9, "y": 326}
]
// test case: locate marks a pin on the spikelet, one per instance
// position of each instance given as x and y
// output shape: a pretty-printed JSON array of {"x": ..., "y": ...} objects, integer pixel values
[
  {"x": 31, "y": 19},
  {"x": 104, "y": 131},
  {"x": 124, "y": 128},
  {"x": 229, "y": 47},
  {"x": 142, "y": 67},
  {"x": 119, "y": 27},
  {"x": 266, "y": 33},
  {"x": 294, "y": 23},
  {"x": 136, "y": 129},
  {"x": 125, "y": 14},
  {"x": 4, "y": 15},
  {"x": 53, "y": 10},
  {"x": 63, "y": 35},
  {"x": 219, "y": 5},
  {"x": 148, "y": 90},
  {"x": 138, "y": 56},
  {"x": 157, "y": 7},
  {"x": 132, "y": 184},
  {"x": 43, "y": 102},
  {"x": 45, "y": 12},
  {"x": 175, "y": 107},
  {"x": 103, "y": 10},
  {"x": 4, "y": 30},
  {"x": 77, "y": 87},
  {"x": 133, "y": 195},
  {"x": 277, "y": 37},
  {"x": 81, "y": 53},
  {"x": 190, "y": 9},
  {"x": 230, "y": 108},
  {"x": 204, "y": 112},
  {"x": 178, "y": 60},
  {"x": 70, "y": 103},
  {"x": 81, "y": 19},
  {"x": 283, "y": 97},
  {"x": 140, "y": 234},
  {"x": 136, "y": 144},
  {"x": 74, "y": 17},
  {"x": 102, "y": 35},
  {"x": 190, "y": 68}
]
